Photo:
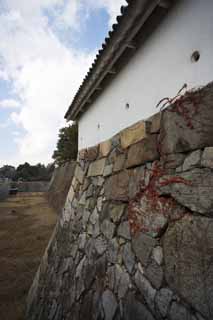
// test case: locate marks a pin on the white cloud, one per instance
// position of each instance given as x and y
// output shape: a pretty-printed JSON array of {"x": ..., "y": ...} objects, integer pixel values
[
  {"x": 9, "y": 104},
  {"x": 44, "y": 72}
]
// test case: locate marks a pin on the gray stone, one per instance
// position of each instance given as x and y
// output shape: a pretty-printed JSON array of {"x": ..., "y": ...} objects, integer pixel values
[
  {"x": 82, "y": 201},
  {"x": 82, "y": 241},
  {"x": 90, "y": 191},
  {"x": 193, "y": 189},
  {"x": 142, "y": 246},
  {"x": 188, "y": 251},
  {"x": 154, "y": 274},
  {"x": 96, "y": 168},
  {"x": 111, "y": 277},
  {"x": 128, "y": 257},
  {"x": 94, "y": 216},
  {"x": 108, "y": 170},
  {"x": 117, "y": 187},
  {"x": 124, "y": 230},
  {"x": 193, "y": 160},
  {"x": 207, "y": 158},
  {"x": 182, "y": 134},
  {"x": 146, "y": 289},
  {"x": 99, "y": 203},
  {"x": 163, "y": 299},
  {"x": 108, "y": 228},
  {"x": 178, "y": 312},
  {"x": 123, "y": 284},
  {"x": 116, "y": 211},
  {"x": 143, "y": 151},
  {"x": 79, "y": 174},
  {"x": 137, "y": 175},
  {"x": 157, "y": 255},
  {"x": 112, "y": 251},
  {"x": 109, "y": 304},
  {"x": 100, "y": 245},
  {"x": 134, "y": 310},
  {"x": 100, "y": 181}
]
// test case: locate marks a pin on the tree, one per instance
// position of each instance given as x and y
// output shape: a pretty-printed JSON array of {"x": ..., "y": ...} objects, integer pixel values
[{"x": 67, "y": 145}]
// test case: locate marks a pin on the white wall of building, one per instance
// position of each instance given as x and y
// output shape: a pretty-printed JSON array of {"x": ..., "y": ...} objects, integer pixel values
[{"x": 158, "y": 70}]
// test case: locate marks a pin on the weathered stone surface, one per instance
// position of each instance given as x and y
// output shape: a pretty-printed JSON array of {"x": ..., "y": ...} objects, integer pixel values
[
  {"x": 178, "y": 312},
  {"x": 108, "y": 170},
  {"x": 181, "y": 134},
  {"x": 100, "y": 245},
  {"x": 116, "y": 211},
  {"x": 163, "y": 299},
  {"x": 188, "y": 250},
  {"x": 124, "y": 230},
  {"x": 119, "y": 162},
  {"x": 123, "y": 284},
  {"x": 154, "y": 274},
  {"x": 105, "y": 148},
  {"x": 207, "y": 158},
  {"x": 133, "y": 309},
  {"x": 128, "y": 257},
  {"x": 142, "y": 246},
  {"x": 193, "y": 189},
  {"x": 79, "y": 174},
  {"x": 136, "y": 176},
  {"x": 117, "y": 187},
  {"x": 133, "y": 134},
  {"x": 147, "y": 291},
  {"x": 157, "y": 255},
  {"x": 112, "y": 252},
  {"x": 94, "y": 216},
  {"x": 192, "y": 160},
  {"x": 96, "y": 168},
  {"x": 173, "y": 160},
  {"x": 109, "y": 304},
  {"x": 108, "y": 228},
  {"x": 92, "y": 153},
  {"x": 142, "y": 152},
  {"x": 155, "y": 121}
]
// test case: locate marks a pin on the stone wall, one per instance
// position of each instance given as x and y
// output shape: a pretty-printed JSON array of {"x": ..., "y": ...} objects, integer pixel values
[
  {"x": 60, "y": 184},
  {"x": 135, "y": 238}
]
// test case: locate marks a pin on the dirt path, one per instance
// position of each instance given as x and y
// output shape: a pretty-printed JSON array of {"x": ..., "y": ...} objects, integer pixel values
[{"x": 26, "y": 224}]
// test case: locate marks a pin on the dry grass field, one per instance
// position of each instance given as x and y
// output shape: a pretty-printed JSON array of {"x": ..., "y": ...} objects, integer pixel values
[{"x": 26, "y": 224}]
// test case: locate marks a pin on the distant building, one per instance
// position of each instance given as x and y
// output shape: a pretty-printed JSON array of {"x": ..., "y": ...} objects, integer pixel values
[{"x": 155, "y": 48}]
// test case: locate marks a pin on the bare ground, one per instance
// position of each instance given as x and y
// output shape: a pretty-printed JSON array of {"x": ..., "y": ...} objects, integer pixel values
[{"x": 26, "y": 224}]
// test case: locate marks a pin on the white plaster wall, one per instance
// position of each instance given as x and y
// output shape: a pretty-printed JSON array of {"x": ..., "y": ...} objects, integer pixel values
[{"x": 158, "y": 70}]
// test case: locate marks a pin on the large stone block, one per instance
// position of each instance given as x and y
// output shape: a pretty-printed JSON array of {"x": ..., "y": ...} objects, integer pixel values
[
  {"x": 96, "y": 168},
  {"x": 143, "y": 151},
  {"x": 105, "y": 148},
  {"x": 79, "y": 174},
  {"x": 133, "y": 134},
  {"x": 188, "y": 250},
  {"x": 142, "y": 246},
  {"x": 187, "y": 125},
  {"x": 117, "y": 187},
  {"x": 192, "y": 189}
]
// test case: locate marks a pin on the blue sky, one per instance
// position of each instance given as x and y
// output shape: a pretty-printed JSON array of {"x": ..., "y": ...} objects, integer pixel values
[{"x": 46, "y": 49}]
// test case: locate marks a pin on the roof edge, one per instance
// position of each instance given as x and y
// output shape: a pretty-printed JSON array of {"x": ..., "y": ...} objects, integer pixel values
[{"x": 132, "y": 18}]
